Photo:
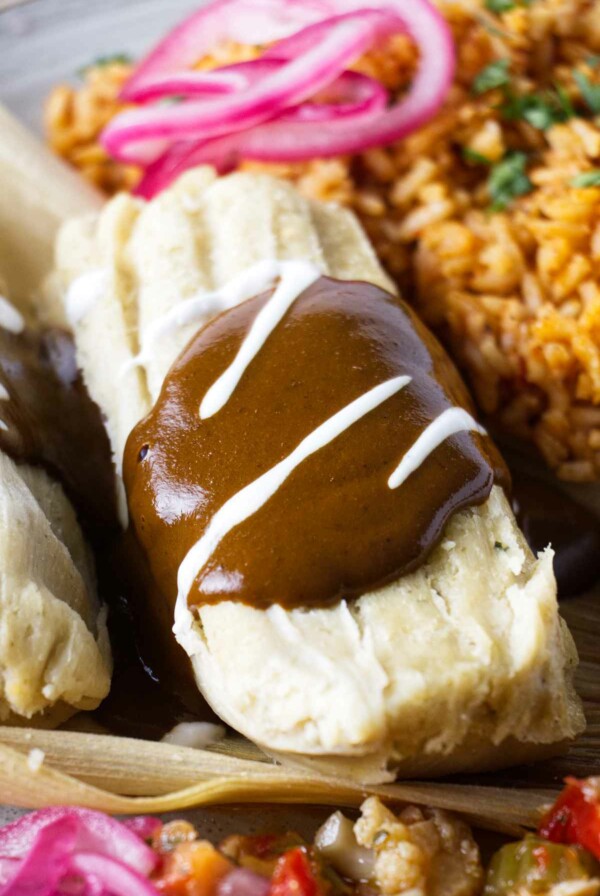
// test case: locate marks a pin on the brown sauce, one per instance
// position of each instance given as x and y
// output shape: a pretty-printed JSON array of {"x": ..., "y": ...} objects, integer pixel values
[
  {"x": 334, "y": 529},
  {"x": 153, "y": 687},
  {"x": 52, "y": 422}
]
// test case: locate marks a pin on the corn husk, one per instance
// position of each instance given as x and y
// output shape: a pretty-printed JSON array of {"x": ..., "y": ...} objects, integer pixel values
[
  {"x": 125, "y": 775},
  {"x": 37, "y": 193}
]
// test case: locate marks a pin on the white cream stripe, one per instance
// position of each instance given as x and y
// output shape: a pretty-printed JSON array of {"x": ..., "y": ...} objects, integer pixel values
[
  {"x": 250, "y": 499},
  {"x": 84, "y": 293},
  {"x": 10, "y": 319},
  {"x": 447, "y": 424},
  {"x": 295, "y": 277},
  {"x": 198, "y": 308}
]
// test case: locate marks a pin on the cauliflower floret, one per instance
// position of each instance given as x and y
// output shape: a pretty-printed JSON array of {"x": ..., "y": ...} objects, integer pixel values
[{"x": 421, "y": 852}]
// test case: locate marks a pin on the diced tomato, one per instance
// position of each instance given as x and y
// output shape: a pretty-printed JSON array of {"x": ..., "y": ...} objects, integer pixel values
[
  {"x": 575, "y": 816},
  {"x": 192, "y": 869},
  {"x": 262, "y": 845},
  {"x": 293, "y": 875}
]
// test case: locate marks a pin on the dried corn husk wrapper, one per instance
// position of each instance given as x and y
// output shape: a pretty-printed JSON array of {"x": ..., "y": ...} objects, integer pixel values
[{"x": 125, "y": 775}]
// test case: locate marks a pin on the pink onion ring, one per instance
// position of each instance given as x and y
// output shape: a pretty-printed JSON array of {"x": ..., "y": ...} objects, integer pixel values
[
  {"x": 46, "y": 861},
  {"x": 354, "y": 87},
  {"x": 243, "y": 21},
  {"x": 112, "y": 875},
  {"x": 297, "y": 141},
  {"x": 61, "y": 849},
  {"x": 292, "y": 83},
  {"x": 218, "y": 80},
  {"x": 287, "y": 115},
  {"x": 302, "y": 41},
  {"x": 352, "y": 93},
  {"x": 95, "y": 831}
]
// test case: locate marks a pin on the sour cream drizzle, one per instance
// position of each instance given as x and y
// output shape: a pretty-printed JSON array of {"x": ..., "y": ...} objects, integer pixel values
[
  {"x": 84, "y": 293},
  {"x": 11, "y": 319},
  {"x": 448, "y": 423},
  {"x": 295, "y": 277},
  {"x": 251, "y": 498}
]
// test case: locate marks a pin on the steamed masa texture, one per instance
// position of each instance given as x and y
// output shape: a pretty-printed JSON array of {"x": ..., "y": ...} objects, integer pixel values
[
  {"x": 55, "y": 656},
  {"x": 488, "y": 217},
  {"x": 464, "y": 663},
  {"x": 54, "y": 651}
]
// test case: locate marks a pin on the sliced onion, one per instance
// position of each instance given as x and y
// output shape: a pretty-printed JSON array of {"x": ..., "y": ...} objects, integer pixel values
[
  {"x": 8, "y": 868},
  {"x": 46, "y": 862},
  {"x": 293, "y": 141},
  {"x": 295, "y": 81},
  {"x": 296, "y": 102},
  {"x": 244, "y": 21},
  {"x": 94, "y": 832},
  {"x": 351, "y": 88},
  {"x": 218, "y": 80},
  {"x": 303, "y": 40},
  {"x": 243, "y": 882},
  {"x": 112, "y": 876},
  {"x": 350, "y": 94}
]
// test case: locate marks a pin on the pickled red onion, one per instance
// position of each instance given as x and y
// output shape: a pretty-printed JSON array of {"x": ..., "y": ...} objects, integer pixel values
[
  {"x": 47, "y": 851},
  {"x": 242, "y": 21},
  {"x": 350, "y": 94},
  {"x": 46, "y": 862},
  {"x": 355, "y": 87},
  {"x": 114, "y": 876},
  {"x": 246, "y": 111},
  {"x": 292, "y": 83}
]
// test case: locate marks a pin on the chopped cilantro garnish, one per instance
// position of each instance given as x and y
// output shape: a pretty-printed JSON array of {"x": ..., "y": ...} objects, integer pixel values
[
  {"x": 469, "y": 155},
  {"x": 499, "y": 546},
  {"x": 590, "y": 92},
  {"x": 540, "y": 110},
  {"x": 587, "y": 179},
  {"x": 508, "y": 179},
  {"x": 500, "y": 6},
  {"x": 593, "y": 60},
  {"x": 494, "y": 75},
  {"x": 111, "y": 59}
]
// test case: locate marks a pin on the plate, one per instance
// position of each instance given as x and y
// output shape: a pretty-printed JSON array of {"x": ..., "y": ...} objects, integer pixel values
[{"x": 44, "y": 42}]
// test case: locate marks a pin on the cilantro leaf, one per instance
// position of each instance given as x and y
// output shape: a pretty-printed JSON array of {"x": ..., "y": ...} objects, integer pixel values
[
  {"x": 540, "y": 110},
  {"x": 494, "y": 75},
  {"x": 590, "y": 92},
  {"x": 508, "y": 179},
  {"x": 110, "y": 59},
  {"x": 469, "y": 155},
  {"x": 500, "y": 6},
  {"x": 587, "y": 179}
]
